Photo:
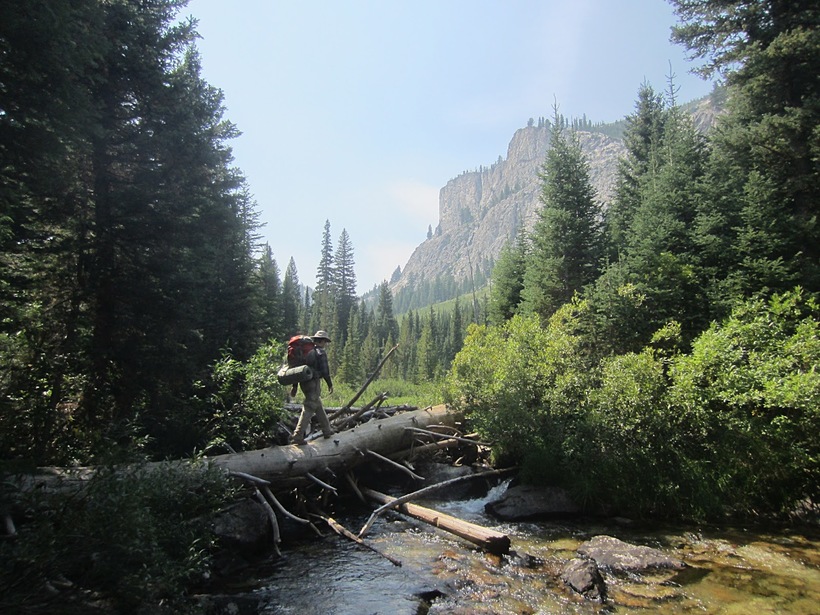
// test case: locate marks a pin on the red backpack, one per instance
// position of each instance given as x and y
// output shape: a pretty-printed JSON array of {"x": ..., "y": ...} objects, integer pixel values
[{"x": 298, "y": 348}]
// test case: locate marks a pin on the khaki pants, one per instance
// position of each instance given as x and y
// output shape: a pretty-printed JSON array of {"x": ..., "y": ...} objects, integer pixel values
[{"x": 312, "y": 390}]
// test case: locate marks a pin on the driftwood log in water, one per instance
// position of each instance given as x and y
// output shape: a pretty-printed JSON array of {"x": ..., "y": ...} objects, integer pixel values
[
  {"x": 489, "y": 540},
  {"x": 394, "y": 502}
]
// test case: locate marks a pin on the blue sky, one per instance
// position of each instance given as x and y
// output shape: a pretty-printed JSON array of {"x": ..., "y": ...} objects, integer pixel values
[{"x": 359, "y": 112}]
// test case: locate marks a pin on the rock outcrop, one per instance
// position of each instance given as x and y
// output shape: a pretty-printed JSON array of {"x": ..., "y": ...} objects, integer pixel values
[
  {"x": 613, "y": 554},
  {"x": 482, "y": 210}
]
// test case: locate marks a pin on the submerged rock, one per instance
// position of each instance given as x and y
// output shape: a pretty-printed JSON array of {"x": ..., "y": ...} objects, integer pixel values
[
  {"x": 527, "y": 502},
  {"x": 609, "y": 552}
]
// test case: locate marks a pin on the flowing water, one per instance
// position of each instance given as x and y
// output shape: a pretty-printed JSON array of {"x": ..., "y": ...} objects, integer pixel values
[{"x": 728, "y": 571}]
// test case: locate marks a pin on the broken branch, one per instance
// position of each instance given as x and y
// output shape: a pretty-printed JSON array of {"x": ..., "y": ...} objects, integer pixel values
[
  {"x": 443, "y": 436},
  {"x": 398, "y": 466}
]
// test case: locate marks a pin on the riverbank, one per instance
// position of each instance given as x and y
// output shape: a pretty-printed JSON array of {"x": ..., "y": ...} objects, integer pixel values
[{"x": 728, "y": 570}]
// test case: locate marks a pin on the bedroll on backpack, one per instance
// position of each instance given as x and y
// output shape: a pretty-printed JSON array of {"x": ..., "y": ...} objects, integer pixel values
[
  {"x": 292, "y": 375},
  {"x": 299, "y": 346}
]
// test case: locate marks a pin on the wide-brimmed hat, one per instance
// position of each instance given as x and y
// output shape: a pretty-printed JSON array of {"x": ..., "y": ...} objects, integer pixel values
[{"x": 321, "y": 335}]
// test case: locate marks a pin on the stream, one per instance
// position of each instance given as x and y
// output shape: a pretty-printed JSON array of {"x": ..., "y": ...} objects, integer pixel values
[{"x": 729, "y": 571}]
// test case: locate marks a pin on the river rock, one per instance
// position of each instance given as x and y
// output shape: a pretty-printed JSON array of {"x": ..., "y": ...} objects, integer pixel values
[
  {"x": 582, "y": 575},
  {"x": 243, "y": 527},
  {"x": 609, "y": 552},
  {"x": 527, "y": 501}
]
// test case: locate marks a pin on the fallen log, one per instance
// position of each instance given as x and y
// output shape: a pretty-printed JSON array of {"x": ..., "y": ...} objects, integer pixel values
[
  {"x": 489, "y": 540},
  {"x": 286, "y": 466},
  {"x": 417, "y": 494},
  {"x": 289, "y": 466}
]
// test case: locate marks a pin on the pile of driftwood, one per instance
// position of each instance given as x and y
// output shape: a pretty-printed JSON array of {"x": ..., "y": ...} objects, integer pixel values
[
  {"x": 305, "y": 477},
  {"x": 372, "y": 434},
  {"x": 308, "y": 475}
]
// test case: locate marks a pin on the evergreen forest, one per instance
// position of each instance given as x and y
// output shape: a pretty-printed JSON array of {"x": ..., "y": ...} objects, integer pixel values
[
  {"x": 658, "y": 356},
  {"x": 141, "y": 315}
]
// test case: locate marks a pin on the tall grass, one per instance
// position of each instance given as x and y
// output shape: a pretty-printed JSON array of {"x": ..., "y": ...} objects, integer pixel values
[{"x": 400, "y": 392}]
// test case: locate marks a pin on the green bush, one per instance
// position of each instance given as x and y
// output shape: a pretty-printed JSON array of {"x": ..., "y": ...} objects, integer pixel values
[
  {"x": 729, "y": 428},
  {"x": 523, "y": 386},
  {"x": 248, "y": 400},
  {"x": 131, "y": 540},
  {"x": 748, "y": 404}
]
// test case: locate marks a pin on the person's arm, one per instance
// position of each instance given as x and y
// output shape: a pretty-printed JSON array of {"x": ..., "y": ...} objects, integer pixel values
[{"x": 325, "y": 371}]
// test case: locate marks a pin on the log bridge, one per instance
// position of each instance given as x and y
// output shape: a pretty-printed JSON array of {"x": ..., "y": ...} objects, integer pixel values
[{"x": 393, "y": 440}]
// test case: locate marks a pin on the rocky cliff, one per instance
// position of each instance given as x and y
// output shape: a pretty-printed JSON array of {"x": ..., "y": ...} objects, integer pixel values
[{"x": 482, "y": 210}]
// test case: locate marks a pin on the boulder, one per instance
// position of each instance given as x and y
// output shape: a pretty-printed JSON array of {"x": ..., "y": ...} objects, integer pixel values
[
  {"x": 435, "y": 473},
  {"x": 582, "y": 575},
  {"x": 244, "y": 527},
  {"x": 527, "y": 502},
  {"x": 609, "y": 552}
]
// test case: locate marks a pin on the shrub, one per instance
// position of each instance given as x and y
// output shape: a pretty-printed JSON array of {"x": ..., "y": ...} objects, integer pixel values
[
  {"x": 748, "y": 405},
  {"x": 524, "y": 386},
  {"x": 130, "y": 540},
  {"x": 730, "y": 427},
  {"x": 248, "y": 400}
]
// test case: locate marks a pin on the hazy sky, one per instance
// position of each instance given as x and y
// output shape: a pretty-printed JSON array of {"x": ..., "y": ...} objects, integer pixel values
[{"x": 359, "y": 112}]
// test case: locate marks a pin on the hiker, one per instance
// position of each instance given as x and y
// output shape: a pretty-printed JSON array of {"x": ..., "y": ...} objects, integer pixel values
[{"x": 312, "y": 390}]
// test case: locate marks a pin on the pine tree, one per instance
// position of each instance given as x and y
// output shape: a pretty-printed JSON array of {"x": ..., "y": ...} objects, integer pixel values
[
  {"x": 386, "y": 324},
  {"x": 406, "y": 353},
  {"x": 45, "y": 106},
  {"x": 508, "y": 280},
  {"x": 455, "y": 334},
  {"x": 769, "y": 53},
  {"x": 344, "y": 280},
  {"x": 427, "y": 357},
  {"x": 351, "y": 370},
  {"x": 324, "y": 296},
  {"x": 642, "y": 137},
  {"x": 661, "y": 252},
  {"x": 291, "y": 301},
  {"x": 658, "y": 276},
  {"x": 143, "y": 230},
  {"x": 271, "y": 295},
  {"x": 566, "y": 239}
]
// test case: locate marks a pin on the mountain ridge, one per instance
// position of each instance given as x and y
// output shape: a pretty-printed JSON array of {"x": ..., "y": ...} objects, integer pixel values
[{"x": 480, "y": 211}]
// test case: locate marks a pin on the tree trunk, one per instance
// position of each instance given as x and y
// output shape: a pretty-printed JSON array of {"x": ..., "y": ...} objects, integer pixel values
[{"x": 286, "y": 466}]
